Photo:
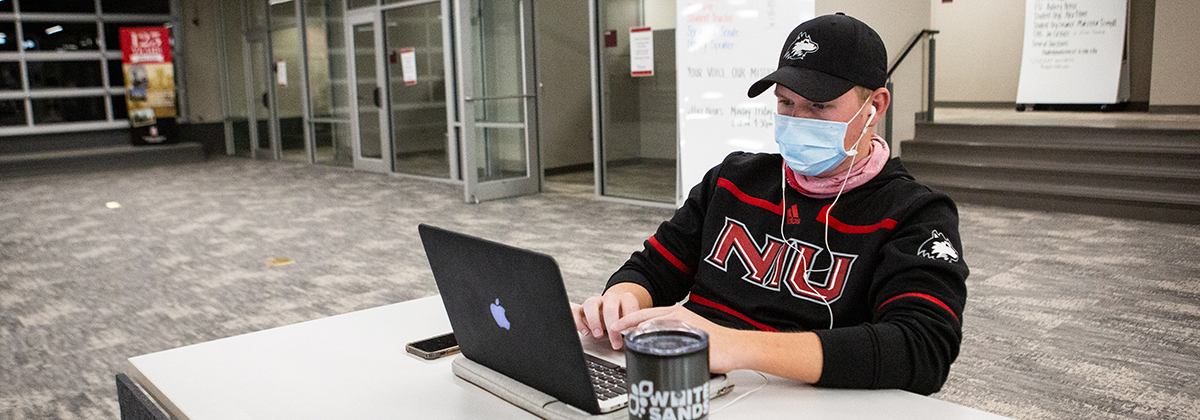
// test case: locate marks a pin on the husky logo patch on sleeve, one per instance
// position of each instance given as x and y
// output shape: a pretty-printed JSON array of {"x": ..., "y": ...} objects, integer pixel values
[{"x": 938, "y": 247}]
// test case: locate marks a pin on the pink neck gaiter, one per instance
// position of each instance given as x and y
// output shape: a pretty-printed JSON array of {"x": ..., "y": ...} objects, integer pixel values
[{"x": 860, "y": 173}]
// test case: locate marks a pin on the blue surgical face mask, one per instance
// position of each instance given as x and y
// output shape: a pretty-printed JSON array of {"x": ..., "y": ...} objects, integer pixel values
[{"x": 811, "y": 147}]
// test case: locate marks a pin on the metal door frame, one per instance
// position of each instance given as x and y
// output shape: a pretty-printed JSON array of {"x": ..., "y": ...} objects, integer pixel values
[
  {"x": 375, "y": 18},
  {"x": 262, "y": 36},
  {"x": 302, "y": 68},
  {"x": 475, "y": 191}
]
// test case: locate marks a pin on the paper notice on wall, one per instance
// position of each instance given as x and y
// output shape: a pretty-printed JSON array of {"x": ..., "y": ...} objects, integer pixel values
[
  {"x": 641, "y": 52},
  {"x": 722, "y": 47},
  {"x": 408, "y": 65},
  {"x": 1072, "y": 51}
]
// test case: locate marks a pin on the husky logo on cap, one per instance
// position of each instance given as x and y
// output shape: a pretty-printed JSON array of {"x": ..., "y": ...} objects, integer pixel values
[
  {"x": 801, "y": 47},
  {"x": 938, "y": 247}
]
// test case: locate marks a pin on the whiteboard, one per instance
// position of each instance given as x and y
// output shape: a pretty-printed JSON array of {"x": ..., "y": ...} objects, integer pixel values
[
  {"x": 722, "y": 47},
  {"x": 1072, "y": 52}
]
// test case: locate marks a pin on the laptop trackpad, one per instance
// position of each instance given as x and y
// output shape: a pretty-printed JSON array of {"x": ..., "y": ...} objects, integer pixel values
[{"x": 600, "y": 347}]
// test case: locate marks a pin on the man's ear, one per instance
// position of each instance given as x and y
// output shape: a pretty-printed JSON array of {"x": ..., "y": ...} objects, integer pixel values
[{"x": 880, "y": 100}]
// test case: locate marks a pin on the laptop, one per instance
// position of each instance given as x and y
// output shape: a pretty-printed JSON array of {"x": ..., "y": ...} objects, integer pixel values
[{"x": 510, "y": 313}]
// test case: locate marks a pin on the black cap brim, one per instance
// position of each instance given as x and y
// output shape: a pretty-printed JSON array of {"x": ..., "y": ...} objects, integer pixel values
[{"x": 811, "y": 84}]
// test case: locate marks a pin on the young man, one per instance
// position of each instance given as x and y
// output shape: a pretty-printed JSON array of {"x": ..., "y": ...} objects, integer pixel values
[{"x": 826, "y": 263}]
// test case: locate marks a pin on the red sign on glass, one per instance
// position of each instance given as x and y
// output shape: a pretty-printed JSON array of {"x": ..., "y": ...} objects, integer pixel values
[{"x": 146, "y": 45}]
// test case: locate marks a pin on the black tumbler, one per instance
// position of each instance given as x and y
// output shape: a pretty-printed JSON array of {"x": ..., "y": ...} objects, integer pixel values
[{"x": 667, "y": 366}]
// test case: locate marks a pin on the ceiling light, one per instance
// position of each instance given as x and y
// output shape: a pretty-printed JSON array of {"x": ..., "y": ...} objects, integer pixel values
[{"x": 54, "y": 29}]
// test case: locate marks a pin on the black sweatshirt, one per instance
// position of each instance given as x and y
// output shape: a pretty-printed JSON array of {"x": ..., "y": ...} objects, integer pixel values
[{"x": 896, "y": 286}]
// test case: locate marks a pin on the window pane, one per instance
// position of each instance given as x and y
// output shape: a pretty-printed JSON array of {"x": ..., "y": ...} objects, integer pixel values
[
  {"x": 112, "y": 32},
  {"x": 59, "y": 6},
  {"x": 354, "y": 4},
  {"x": 63, "y": 74},
  {"x": 8, "y": 35},
  {"x": 6, "y": 6},
  {"x": 50, "y": 36},
  {"x": 59, "y": 110},
  {"x": 10, "y": 76},
  {"x": 328, "y": 89},
  {"x": 116, "y": 73},
  {"x": 120, "y": 111},
  {"x": 145, "y": 7},
  {"x": 12, "y": 112}
]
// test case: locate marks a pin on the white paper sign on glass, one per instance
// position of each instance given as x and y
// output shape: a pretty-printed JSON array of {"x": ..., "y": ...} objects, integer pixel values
[
  {"x": 281, "y": 73},
  {"x": 1072, "y": 52},
  {"x": 722, "y": 47},
  {"x": 641, "y": 52},
  {"x": 408, "y": 65}
]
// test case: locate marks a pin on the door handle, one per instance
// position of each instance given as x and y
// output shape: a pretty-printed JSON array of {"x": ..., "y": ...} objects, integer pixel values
[
  {"x": 377, "y": 98},
  {"x": 266, "y": 103},
  {"x": 492, "y": 98}
]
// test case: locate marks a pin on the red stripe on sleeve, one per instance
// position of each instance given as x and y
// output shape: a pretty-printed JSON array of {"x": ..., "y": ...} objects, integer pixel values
[
  {"x": 837, "y": 225},
  {"x": 922, "y": 296},
  {"x": 737, "y": 192},
  {"x": 728, "y": 310},
  {"x": 670, "y": 257}
]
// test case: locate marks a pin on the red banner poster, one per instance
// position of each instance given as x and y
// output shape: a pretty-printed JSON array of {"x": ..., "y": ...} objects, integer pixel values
[
  {"x": 149, "y": 75},
  {"x": 147, "y": 45}
]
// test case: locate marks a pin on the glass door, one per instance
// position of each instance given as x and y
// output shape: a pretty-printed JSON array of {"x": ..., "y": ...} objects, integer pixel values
[
  {"x": 499, "y": 136},
  {"x": 637, "y": 115},
  {"x": 417, "y": 75},
  {"x": 328, "y": 85},
  {"x": 237, "y": 120},
  {"x": 264, "y": 130},
  {"x": 251, "y": 126},
  {"x": 371, "y": 150},
  {"x": 287, "y": 67}
]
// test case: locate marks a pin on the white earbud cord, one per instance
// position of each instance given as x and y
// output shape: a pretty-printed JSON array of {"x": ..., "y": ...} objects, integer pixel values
[
  {"x": 783, "y": 207},
  {"x": 800, "y": 254},
  {"x": 747, "y": 394}
]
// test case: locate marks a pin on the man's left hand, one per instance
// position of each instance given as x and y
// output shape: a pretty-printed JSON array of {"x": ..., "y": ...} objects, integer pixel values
[{"x": 721, "y": 341}]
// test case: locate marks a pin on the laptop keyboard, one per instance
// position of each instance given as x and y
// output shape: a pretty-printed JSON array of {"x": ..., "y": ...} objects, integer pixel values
[{"x": 607, "y": 379}]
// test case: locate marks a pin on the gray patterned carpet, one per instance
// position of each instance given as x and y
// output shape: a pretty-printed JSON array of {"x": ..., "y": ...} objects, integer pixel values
[{"x": 1069, "y": 316}]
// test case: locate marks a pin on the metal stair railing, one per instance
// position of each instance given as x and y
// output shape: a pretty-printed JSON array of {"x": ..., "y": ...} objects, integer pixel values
[{"x": 929, "y": 85}]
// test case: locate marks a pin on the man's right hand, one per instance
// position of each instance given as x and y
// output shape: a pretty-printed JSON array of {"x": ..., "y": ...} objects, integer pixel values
[{"x": 599, "y": 312}]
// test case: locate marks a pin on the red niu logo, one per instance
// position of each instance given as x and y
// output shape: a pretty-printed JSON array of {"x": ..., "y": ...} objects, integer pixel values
[{"x": 774, "y": 263}]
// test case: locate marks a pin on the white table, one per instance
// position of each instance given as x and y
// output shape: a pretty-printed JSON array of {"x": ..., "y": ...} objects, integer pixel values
[{"x": 354, "y": 366}]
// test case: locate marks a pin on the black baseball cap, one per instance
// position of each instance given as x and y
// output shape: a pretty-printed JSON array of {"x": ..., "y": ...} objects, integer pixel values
[{"x": 827, "y": 56}]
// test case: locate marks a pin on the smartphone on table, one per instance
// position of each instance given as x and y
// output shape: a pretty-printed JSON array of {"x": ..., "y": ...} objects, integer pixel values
[{"x": 434, "y": 347}]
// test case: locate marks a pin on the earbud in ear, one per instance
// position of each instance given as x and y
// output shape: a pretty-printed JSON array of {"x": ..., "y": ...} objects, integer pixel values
[{"x": 872, "y": 109}]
